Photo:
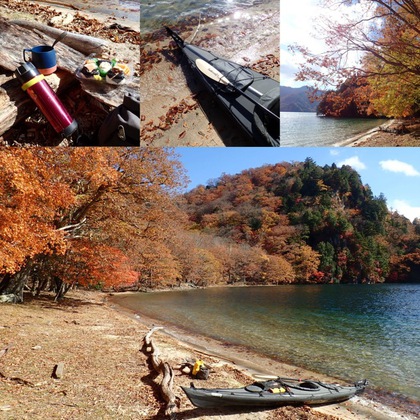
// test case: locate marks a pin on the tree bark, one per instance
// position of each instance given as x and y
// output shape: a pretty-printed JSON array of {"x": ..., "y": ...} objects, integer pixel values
[{"x": 11, "y": 287}]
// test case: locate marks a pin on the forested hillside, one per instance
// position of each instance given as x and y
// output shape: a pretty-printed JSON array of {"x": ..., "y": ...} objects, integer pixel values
[
  {"x": 296, "y": 100},
  {"x": 304, "y": 223},
  {"x": 115, "y": 218}
]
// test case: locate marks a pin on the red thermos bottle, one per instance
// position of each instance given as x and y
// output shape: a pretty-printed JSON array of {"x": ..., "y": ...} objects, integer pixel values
[{"x": 46, "y": 100}]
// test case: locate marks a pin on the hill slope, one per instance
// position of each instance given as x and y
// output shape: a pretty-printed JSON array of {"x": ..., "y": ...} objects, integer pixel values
[
  {"x": 299, "y": 222},
  {"x": 296, "y": 100}
]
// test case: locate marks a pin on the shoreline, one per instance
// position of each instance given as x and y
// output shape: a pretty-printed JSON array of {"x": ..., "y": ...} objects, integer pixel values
[
  {"x": 373, "y": 404},
  {"x": 393, "y": 133},
  {"x": 105, "y": 374}
]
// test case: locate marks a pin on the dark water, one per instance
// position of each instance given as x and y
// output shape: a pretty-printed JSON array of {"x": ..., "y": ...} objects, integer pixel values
[
  {"x": 346, "y": 331},
  {"x": 155, "y": 14},
  {"x": 305, "y": 129}
]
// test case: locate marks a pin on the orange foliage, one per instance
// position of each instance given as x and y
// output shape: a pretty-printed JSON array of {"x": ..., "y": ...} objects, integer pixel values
[
  {"x": 31, "y": 196},
  {"x": 95, "y": 265}
]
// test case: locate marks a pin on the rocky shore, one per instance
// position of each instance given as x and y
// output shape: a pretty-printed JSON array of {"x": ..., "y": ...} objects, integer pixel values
[{"x": 105, "y": 375}]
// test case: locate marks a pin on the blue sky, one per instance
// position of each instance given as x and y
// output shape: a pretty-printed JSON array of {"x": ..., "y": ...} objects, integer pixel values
[{"x": 395, "y": 172}]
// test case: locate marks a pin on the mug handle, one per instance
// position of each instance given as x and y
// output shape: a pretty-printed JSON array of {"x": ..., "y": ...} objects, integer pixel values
[{"x": 24, "y": 57}]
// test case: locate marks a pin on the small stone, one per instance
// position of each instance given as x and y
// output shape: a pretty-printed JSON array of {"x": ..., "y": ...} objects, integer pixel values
[{"x": 58, "y": 371}]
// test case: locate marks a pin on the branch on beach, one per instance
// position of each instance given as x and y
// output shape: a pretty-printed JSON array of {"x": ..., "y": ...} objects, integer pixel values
[
  {"x": 20, "y": 381},
  {"x": 149, "y": 348}
]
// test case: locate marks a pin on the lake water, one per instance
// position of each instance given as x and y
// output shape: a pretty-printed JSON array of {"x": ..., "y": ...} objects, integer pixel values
[
  {"x": 126, "y": 10},
  {"x": 305, "y": 129},
  {"x": 155, "y": 14},
  {"x": 346, "y": 331}
]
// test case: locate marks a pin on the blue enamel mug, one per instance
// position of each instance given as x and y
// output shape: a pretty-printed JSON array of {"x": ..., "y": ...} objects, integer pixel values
[{"x": 43, "y": 58}]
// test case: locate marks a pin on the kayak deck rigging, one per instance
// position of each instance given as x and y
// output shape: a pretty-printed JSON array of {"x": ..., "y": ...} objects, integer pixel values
[{"x": 251, "y": 98}]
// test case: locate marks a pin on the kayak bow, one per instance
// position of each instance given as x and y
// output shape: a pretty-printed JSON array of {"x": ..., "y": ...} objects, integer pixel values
[{"x": 251, "y": 98}]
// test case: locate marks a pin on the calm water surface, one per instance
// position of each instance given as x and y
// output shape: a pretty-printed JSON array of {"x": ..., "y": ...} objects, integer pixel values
[
  {"x": 347, "y": 331},
  {"x": 305, "y": 129}
]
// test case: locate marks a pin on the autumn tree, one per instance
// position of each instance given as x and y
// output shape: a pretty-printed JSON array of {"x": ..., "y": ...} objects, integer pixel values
[
  {"x": 377, "y": 40},
  {"x": 277, "y": 270},
  {"x": 112, "y": 196},
  {"x": 351, "y": 99}
]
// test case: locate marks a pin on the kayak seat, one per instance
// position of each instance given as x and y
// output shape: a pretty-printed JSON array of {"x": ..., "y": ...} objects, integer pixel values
[{"x": 255, "y": 387}]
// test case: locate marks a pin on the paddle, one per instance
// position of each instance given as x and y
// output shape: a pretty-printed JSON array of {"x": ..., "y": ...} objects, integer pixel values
[{"x": 214, "y": 74}]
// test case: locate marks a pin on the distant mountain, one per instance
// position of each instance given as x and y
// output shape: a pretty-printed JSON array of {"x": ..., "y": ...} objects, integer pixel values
[{"x": 296, "y": 100}]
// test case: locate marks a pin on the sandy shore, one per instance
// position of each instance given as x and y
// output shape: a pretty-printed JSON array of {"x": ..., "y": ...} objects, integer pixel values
[
  {"x": 387, "y": 135},
  {"x": 107, "y": 377},
  {"x": 175, "y": 109}
]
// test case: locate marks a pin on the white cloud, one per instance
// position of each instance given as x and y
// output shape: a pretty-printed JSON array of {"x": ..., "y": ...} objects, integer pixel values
[
  {"x": 399, "y": 167},
  {"x": 301, "y": 22},
  {"x": 334, "y": 152},
  {"x": 354, "y": 162},
  {"x": 404, "y": 208}
]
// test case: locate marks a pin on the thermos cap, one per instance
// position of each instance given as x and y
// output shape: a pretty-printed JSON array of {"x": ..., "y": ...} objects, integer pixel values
[{"x": 26, "y": 72}]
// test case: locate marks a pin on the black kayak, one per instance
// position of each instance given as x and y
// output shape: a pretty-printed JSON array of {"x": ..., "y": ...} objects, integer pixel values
[
  {"x": 274, "y": 393},
  {"x": 251, "y": 98}
]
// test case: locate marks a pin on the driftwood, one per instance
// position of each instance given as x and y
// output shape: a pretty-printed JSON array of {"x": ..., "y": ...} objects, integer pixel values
[
  {"x": 83, "y": 43},
  {"x": 13, "y": 39},
  {"x": 161, "y": 367}
]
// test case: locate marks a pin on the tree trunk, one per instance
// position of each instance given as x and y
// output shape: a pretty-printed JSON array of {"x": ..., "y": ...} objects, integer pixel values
[{"x": 11, "y": 288}]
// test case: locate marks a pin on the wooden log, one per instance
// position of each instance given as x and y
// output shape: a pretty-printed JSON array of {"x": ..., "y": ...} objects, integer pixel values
[
  {"x": 167, "y": 389},
  {"x": 161, "y": 367},
  {"x": 83, "y": 43},
  {"x": 16, "y": 105},
  {"x": 14, "y": 39}
]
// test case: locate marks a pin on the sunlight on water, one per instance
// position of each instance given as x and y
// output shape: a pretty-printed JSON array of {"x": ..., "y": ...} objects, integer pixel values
[
  {"x": 350, "y": 332},
  {"x": 161, "y": 12}
]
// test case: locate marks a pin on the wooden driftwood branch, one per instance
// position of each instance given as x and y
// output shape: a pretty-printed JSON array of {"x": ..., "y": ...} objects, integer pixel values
[
  {"x": 161, "y": 367},
  {"x": 21, "y": 381},
  {"x": 83, "y": 43}
]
